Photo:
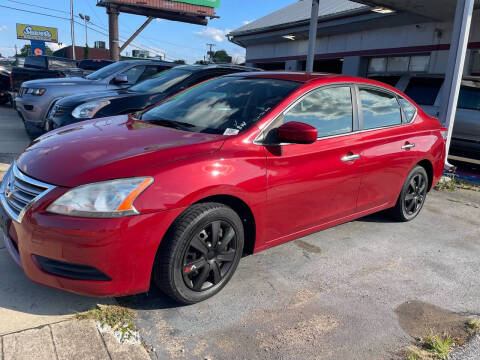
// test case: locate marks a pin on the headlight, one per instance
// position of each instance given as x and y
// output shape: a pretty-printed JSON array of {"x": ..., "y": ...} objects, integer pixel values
[
  {"x": 35, "y": 92},
  {"x": 107, "y": 199},
  {"x": 89, "y": 109}
]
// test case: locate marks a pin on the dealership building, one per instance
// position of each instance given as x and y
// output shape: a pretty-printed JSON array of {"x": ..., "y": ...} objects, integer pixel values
[{"x": 356, "y": 39}]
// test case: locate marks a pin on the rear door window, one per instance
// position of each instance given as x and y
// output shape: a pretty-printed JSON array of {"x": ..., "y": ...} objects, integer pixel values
[
  {"x": 424, "y": 91},
  {"x": 329, "y": 110},
  {"x": 379, "y": 109}
]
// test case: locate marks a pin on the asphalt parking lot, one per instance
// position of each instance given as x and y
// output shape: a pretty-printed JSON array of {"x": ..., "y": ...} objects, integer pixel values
[{"x": 361, "y": 290}]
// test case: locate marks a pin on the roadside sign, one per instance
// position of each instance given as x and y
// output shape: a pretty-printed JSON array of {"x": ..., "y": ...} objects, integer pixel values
[
  {"x": 209, "y": 3},
  {"x": 34, "y": 32}
]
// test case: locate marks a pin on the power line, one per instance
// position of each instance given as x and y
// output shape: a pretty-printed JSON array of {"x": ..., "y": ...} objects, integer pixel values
[
  {"x": 34, "y": 12},
  {"x": 38, "y": 6},
  {"x": 133, "y": 44}
]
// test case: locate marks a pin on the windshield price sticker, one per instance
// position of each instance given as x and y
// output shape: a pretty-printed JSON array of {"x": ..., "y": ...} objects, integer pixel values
[{"x": 231, "y": 132}]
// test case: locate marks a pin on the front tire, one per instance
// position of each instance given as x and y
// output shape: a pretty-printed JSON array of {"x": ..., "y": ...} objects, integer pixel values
[
  {"x": 413, "y": 195},
  {"x": 200, "y": 253}
]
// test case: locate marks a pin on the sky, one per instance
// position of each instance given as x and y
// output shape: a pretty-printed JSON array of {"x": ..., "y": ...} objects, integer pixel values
[{"x": 173, "y": 39}]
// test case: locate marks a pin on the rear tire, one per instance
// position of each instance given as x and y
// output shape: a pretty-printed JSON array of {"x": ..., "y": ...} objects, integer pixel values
[
  {"x": 413, "y": 195},
  {"x": 200, "y": 253}
]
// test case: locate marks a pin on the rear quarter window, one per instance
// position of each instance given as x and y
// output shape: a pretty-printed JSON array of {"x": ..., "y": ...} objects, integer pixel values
[{"x": 408, "y": 109}]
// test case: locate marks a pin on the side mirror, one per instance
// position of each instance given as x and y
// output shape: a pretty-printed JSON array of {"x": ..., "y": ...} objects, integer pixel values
[
  {"x": 297, "y": 133},
  {"x": 120, "y": 80}
]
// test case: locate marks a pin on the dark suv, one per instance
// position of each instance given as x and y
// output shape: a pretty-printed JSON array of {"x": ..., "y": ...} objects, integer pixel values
[{"x": 149, "y": 92}]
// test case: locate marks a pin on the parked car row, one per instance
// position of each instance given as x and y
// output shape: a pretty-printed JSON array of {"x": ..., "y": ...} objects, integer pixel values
[
  {"x": 120, "y": 88},
  {"x": 43, "y": 67},
  {"x": 172, "y": 180}
]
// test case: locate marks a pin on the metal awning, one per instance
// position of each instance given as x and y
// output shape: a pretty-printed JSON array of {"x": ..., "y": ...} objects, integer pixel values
[{"x": 442, "y": 10}]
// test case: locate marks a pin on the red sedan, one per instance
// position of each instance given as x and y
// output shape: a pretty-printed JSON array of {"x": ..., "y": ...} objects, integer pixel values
[{"x": 235, "y": 165}]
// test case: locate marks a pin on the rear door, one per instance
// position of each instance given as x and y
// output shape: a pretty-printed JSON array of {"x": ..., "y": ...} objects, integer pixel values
[
  {"x": 388, "y": 146},
  {"x": 314, "y": 184}
]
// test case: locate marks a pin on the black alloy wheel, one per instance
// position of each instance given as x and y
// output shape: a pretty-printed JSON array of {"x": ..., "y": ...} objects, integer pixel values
[
  {"x": 209, "y": 256},
  {"x": 413, "y": 195},
  {"x": 200, "y": 253}
]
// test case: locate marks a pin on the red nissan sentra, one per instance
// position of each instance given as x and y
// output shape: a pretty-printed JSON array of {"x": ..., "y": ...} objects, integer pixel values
[{"x": 235, "y": 165}]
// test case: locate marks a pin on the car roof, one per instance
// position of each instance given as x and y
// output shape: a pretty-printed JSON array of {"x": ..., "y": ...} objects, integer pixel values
[
  {"x": 150, "y": 62},
  {"x": 304, "y": 77},
  {"x": 219, "y": 66}
]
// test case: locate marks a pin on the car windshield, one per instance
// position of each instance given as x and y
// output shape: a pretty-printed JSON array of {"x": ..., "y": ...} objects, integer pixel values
[
  {"x": 226, "y": 105},
  {"x": 107, "y": 71},
  {"x": 162, "y": 81}
]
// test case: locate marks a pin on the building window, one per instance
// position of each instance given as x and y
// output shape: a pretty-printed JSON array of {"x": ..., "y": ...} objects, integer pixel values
[
  {"x": 475, "y": 63},
  {"x": 399, "y": 64}
]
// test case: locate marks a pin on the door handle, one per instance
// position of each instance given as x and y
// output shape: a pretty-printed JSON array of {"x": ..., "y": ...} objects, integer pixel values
[
  {"x": 353, "y": 157},
  {"x": 408, "y": 146}
]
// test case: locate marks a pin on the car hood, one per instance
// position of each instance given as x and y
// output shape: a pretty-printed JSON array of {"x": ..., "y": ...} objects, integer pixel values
[
  {"x": 109, "y": 148},
  {"x": 59, "y": 81},
  {"x": 74, "y": 100}
]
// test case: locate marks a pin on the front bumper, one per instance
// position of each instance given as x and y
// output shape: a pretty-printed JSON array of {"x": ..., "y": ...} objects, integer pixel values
[
  {"x": 63, "y": 118},
  {"x": 33, "y": 109},
  {"x": 123, "y": 249}
]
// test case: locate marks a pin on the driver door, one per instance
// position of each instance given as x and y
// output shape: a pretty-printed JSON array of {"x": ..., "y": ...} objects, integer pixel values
[{"x": 311, "y": 185}]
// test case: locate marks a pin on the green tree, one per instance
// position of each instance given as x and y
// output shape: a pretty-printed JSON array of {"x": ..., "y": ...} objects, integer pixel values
[
  {"x": 221, "y": 56},
  {"x": 26, "y": 49},
  {"x": 179, "y": 61}
]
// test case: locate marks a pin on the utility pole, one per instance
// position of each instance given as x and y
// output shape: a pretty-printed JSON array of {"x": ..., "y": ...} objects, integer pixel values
[
  {"x": 312, "y": 35},
  {"x": 86, "y": 18},
  {"x": 72, "y": 30},
  {"x": 113, "y": 13},
  {"x": 211, "y": 52}
]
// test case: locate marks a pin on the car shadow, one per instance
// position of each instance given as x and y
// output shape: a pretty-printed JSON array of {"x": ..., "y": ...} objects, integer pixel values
[
  {"x": 382, "y": 217},
  {"x": 154, "y": 299}
]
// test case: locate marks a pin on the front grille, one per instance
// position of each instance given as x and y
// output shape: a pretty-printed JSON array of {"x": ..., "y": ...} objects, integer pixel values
[
  {"x": 18, "y": 192},
  {"x": 69, "y": 270},
  {"x": 57, "y": 111},
  {"x": 22, "y": 91}
]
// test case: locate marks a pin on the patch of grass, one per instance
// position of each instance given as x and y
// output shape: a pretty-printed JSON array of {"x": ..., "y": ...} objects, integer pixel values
[
  {"x": 439, "y": 345},
  {"x": 411, "y": 356},
  {"x": 416, "y": 353},
  {"x": 472, "y": 324},
  {"x": 114, "y": 316},
  {"x": 447, "y": 183}
]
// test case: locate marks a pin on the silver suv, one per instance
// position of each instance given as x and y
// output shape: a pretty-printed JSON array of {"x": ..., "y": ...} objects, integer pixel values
[{"x": 36, "y": 97}]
